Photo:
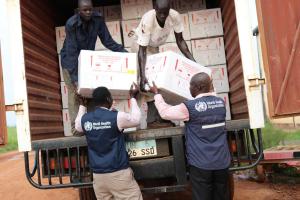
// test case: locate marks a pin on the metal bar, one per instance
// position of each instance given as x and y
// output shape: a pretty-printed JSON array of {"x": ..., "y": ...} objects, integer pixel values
[
  {"x": 38, "y": 167},
  {"x": 78, "y": 163},
  {"x": 253, "y": 141},
  {"x": 238, "y": 147},
  {"x": 288, "y": 69},
  {"x": 230, "y": 143},
  {"x": 48, "y": 167},
  {"x": 259, "y": 156},
  {"x": 248, "y": 145},
  {"x": 70, "y": 166},
  {"x": 179, "y": 160},
  {"x": 59, "y": 167}
]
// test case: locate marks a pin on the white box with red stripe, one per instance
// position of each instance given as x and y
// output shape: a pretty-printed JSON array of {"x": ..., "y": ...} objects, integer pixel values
[
  {"x": 206, "y": 23},
  {"x": 64, "y": 95},
  {"x": 67, "y": 122},
  {"x": 172, "y": 73},
  {"x": 116, "y": 71},
  {"x": 220, "y": 78},
  {"x": 209, "y": 51}
]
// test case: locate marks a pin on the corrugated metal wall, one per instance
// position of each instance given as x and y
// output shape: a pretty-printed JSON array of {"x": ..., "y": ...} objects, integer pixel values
[
  {"x": 42, "y": 71},
  {"x": 238, "y": 101}
]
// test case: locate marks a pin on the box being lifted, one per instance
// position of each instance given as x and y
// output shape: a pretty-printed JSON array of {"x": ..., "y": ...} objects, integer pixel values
[
  {"x": 135, "y": 9},
  {"x": 209, "y": 51},
  {"x": 172, "y": 73},
  {"x": 206, "y": 23},
  {"x": 173, "y": 47},
  {"x": 116, "y": 71}
]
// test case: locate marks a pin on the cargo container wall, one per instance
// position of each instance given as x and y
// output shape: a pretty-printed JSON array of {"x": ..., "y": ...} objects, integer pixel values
[
  {"x": 41, "y": 66},
  {"x": 237, "y": 94}
]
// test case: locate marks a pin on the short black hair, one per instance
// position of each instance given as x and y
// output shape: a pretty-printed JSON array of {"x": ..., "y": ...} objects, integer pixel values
[
  {"x": 162, "y": 3},
  {"x": 101, "y": 95},
  {"x": 84, "y": 1}
]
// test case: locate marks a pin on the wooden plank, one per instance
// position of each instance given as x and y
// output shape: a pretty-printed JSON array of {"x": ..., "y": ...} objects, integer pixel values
[{"x": 3, "y": 128}]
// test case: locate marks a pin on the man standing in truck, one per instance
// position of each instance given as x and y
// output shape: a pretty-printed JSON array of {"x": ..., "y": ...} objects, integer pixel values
[
  {"x": 206, "y": 139},
  {"x": 82, "y": 31},
  {"x": 152, "y": 32},
  {"x": 108, "y": 158}
]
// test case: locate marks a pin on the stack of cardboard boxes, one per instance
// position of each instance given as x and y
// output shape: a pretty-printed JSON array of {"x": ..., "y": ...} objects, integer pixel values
[
  {"x": 206, "y": 30},
  {"x": 132, "y": 12},
  {"x": 203, "y": 32}
]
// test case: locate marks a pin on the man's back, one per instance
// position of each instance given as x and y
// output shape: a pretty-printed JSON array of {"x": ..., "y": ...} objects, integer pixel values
[
  {"x": 206, "y": 136},
  {"x": 106, "y": 144}
]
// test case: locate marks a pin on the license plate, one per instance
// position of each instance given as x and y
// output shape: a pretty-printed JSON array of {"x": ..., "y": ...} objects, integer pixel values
[{"x": 141, "y": 149}]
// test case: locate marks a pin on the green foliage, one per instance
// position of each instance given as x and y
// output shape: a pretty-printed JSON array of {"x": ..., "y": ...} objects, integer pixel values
[
  {"x": 272, "y": 136},
  {"x": 12, "y": 141}
]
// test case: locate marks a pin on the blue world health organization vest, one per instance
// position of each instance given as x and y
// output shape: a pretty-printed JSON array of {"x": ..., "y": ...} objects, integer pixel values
[
  {"x": 106, "y": 143},
  {"x": 206, "y": 137}
]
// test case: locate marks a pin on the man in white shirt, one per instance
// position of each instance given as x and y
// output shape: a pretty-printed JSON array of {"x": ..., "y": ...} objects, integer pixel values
[{"x": 153, "y": 31}]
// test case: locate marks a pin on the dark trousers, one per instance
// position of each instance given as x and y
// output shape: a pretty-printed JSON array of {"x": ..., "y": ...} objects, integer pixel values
[{"x": 209, "y": 184}]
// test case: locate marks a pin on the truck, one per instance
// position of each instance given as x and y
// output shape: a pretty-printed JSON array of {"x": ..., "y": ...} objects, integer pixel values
[{"x": 253, "y": 35}]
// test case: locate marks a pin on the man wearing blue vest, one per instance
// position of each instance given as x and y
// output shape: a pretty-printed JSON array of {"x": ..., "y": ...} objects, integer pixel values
[
  {"x": 108, "y": 158},
  {"x": 206, "y": 138}
]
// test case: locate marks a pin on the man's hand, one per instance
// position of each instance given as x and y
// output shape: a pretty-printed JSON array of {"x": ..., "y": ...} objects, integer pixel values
[
  {"x": 153, "y": 88},
  {"x": 143, "y": 83},
  {"x": 131, "y": 33},
  {"x": 134, "y": 90}
]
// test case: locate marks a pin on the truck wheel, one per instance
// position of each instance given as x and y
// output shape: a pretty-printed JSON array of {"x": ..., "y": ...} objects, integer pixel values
[{"x": 87, "y": 194}]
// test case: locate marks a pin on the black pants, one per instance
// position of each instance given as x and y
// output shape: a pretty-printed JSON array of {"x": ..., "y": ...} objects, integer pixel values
[{"x": 209, "y": 184}]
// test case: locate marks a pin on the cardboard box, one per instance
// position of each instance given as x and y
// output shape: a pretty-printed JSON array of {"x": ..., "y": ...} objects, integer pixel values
[
  {"x": 225, "y": 97},
  {"x": 64, "y": 95},
  {"x": 172, "y": 73},
  {"x": 60, "y": 37},
  {"x": 112, "y": 12},
  {"x": 127, "y": 26},
  {"x": 206, "y": 23},
  {"x": 114, "y": 28},
  {"x": 220, "y": 78},
  {"x": 173, "y": 47},
  {"x": 67, "y": 122},
  {"x": 116, "y": 71},
  {"x": 135, "y": 9},
  {"x": 209, "y": 51},
  {"x": 186, "y": 33},
  {"x": 60, "y": 69},
  {"x": 187, "y": 5}
]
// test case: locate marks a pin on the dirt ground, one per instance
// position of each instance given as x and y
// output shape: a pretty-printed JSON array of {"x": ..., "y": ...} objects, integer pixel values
[{"x": 14, "y": 186}]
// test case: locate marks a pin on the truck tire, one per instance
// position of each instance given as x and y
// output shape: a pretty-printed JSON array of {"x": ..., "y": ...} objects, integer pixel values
[{"x": 87, "y": 194}]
